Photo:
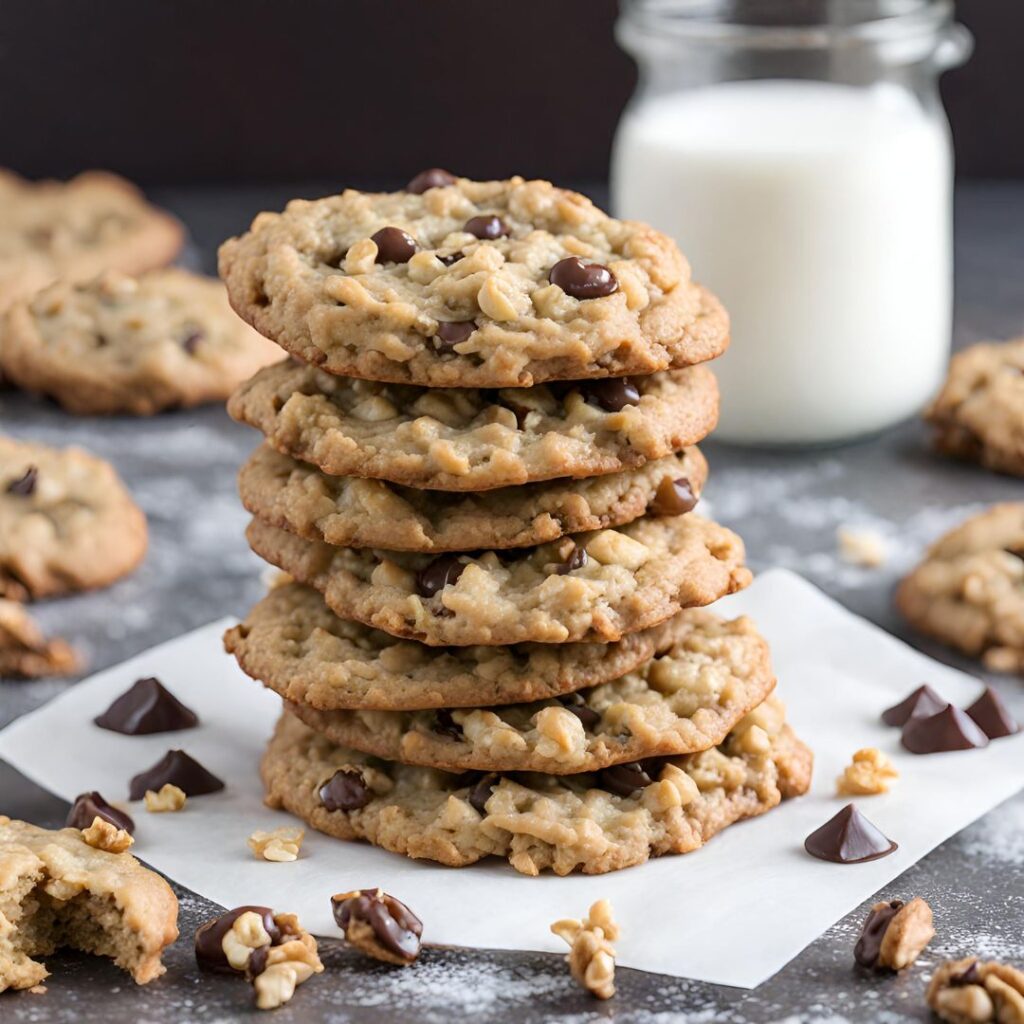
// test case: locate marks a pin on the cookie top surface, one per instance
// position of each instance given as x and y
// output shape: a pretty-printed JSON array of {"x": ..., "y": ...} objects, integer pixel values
[
  {"x": 979, "y": 413},
  {"x": 354, "y": 512},
  {"x": 593, "y": 587},
  {"x": 134, "y": 345},
  {"x": 25, "y": 653},
  {"x": 471, "y": 284},
  {"x": 474, "y": 440},
  {"x": 66, "y": 521},
  {"x": 77, "y": 229},
  {"x": 969, "y": 590},
  {"x": 587, "y": 822}
]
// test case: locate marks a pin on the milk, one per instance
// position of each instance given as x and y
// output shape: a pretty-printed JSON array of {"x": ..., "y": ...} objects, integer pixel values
[{"x": 821, "y": 215}]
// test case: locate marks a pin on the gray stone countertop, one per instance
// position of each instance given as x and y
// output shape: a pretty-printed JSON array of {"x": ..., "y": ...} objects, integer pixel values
[{"x": 181, "y": 468}]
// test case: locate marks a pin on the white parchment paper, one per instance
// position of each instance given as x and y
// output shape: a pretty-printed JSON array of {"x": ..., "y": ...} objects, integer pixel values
[{"x": 733, "y": 913}]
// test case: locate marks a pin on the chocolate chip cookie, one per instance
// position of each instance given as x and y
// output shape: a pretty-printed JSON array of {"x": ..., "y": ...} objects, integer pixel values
[
  {"x": 25, "y": 653},
  {"x": 969, "y": 590},
  {"x": 979, "y": 414},
  {"x": 66, "y": 521},
  {"x": 476, "y": 440},
  {"x": 592, "y": 822},
  {"x": 353, "y": 512},
  {"x": 470, "y": 284},
  {"x": 120, "y": 344},
  {"x": 594, "y": 587}
]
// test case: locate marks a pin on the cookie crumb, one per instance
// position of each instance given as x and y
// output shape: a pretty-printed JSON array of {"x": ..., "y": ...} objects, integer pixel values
[
  {"x": 894, "y": 935},
  {"x": 863, "y": 547},
  {"x": 971, "y": 991},
  {"x": 38, "y": 990},
  {"x": 591, "y": 956},
  {"x": 869, "y": 773},
  {"x": 168, "y": 798},
  {"x": 282, "y": 845},
  {"x": 102, "y": 835}
]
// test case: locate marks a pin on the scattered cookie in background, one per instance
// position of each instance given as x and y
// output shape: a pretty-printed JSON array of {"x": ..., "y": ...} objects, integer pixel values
[
  {"x": 863, "y": 547},
  {"x": 25, "y": 653},
  {"x": 979, "y": 413},
  {"x": 67, "y": 523},
  {"x": 973, "y": 991},
  {"x": 58, "y": 891},
  {"x": 869, "y": 773},
  {"x": 282, "y": 845},
  {"x": 894, "y": 935},
  {"x": 591, "y": 955},
  {"x": 378, "y": 925}
]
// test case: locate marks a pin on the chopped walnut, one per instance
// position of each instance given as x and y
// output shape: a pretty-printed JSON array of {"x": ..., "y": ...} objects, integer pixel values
[
  {"x": 101, "y": 835},
  {"x": 861, "y": 547},
  {"x": 870, "y": 772},
  {"x": 591, "y": 955},
  {"x": 282, "y": 845},
  {"x": 894, "y": 935},
  {"x": 168, "y": 798},
  {"x": 972, "y": 991}
]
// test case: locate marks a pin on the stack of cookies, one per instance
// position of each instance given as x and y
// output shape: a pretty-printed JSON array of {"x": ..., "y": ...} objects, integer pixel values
[{"x": 478, "y": 478}]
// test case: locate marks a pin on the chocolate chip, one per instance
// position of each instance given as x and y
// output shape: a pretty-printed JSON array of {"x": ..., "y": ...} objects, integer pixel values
[
  {"x": 394, "y": 245},
  {"x": 191, "y": 341},
  {"x": 970, "y": 975},
  {"x": 147, "y": 707},
  {"x": 178, "y": 769},
  {"x": 923, "y": 701},
  {"x": 576, "y": 703},
  {"x": 481, "y": 792},
  {"x": 624, "y": 779},
  {"x": 489, "y": 227},
  {"x": 673, "y": 497},
  {"x": 438, "y": 574},
  {"x": 848, "y": 838},
  {"x": 993, "y": 716},
  {"x": 576, "y": 559},
  {"x": 445, "y": 725},
  {"x": 91, "y": 805},
  {"x": 869, "y": 945},
  {"x": 612, "y": 394},
  {"x": 451, "y": 333},
  {"x": 209, "y": 941},
  {"x": 434, "y": 177},
  {"x": 948, "y": 729},
  {"x": 583, "y": 280},
  {"x": 452, "y": 257},
  {"x": 25, "y": 485},
  {"x": 345, "y": 790},
  {"x": 395, "y": 927},
  {"x": 257, "y": 962}
]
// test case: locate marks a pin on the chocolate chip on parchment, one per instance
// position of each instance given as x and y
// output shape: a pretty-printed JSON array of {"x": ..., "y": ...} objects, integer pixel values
[
  {"x": 451, "y": 333},
  {"x": 624, "y": 779},
  {"x": 575, "y": 702},
  {"x": 209, "y": 941},
  {"x": 948, "y": 729},
  {"x": 394, "y": 245},
  {"x": 345, "y": 790},
  {"x": 147, "y": 707},
  {"x": 612, "y": 394},
  {"x": 378, "y": 924},
  {"x": 438, "y": 574},
  {"x": 178, "y": 769},
  {"x": 923, "y": 701},
  {"x": 673, "y": 497},
  {"x": 433, "y": 177},
  {"x": 583, "y": 280},
  {"x": 91, "y": 805},
  {"x": 24, "y": 486},
  {"x": 848, "y": 838},
  {"x": 487, "y": 227},
  {"x": 993, "y": 716}
]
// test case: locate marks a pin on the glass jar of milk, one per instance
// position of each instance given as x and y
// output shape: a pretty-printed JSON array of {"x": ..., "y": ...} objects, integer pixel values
[{"x": 799, "y": 153}]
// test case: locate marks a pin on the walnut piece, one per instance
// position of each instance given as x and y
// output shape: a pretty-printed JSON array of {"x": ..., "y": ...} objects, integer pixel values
[
  {"x": 972, "y": 991},
  {"x": 591, "y": 955},
  {"x": 101, "y": 835},
  {"x": 282, "y": 845},
  {"x": 870, "y": 772},
  {"x": 894, "y": 935},
  {"x": 168, "y": 798}
]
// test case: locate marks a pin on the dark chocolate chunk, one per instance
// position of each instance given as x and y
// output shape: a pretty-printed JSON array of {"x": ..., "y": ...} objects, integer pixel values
[
  {"x": 481, "y": 792},
  {"x": 191, "y": 341},
  {"x": 848, "y": 838},
  {"x": 395, "y": 927},
  {"x": 438, "y": 574},
  {"x": 24, "y": 486},
  {"x": 178, "y": 769},
  {"x": 209, "y": 942},
  {"x": 394, "y": 245},
  {"x": 948, "y": 729},
  {"x": 624, "y": 779},
  {"x": 869, "y": 945},
  {"x": 345, "y": 790},
  {"x": 445, "y": 725},
  {"x": 583, "y": 280},
  {"x": 488, "y": 227},
  {"x": 993, "y": 716},
  {"x": 576, "y": 559},
  {"x": 147, "y": 707},
  {"x": 91, "y": 805},
  {"x": 452, "y": 332},
  {"x": 923, "y": 701},
  {"x": 434, "y": 177},
  {"x": 612, "y": 394},
  {"x": 970, "y": 975},
  {"x": 451, "y": 257},
  {"x": 672, "y": 498},
  {"x": 576, "y": 703}
]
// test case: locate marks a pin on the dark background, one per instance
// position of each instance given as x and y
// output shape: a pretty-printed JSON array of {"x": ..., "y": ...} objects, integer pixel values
[{"x": 353, "y": 91}]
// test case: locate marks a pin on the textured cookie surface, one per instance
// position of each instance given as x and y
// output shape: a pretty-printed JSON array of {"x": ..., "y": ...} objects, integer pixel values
[
  {"x": 594, "y": 587},
  {"x": 74, "y": 230},
  {"x": 354, "y": 512},
  {"x": 969, "y": 590},
  {"x": 25, "y": 653},
  {"x": 979, "y": 414},
  {"x": 134, "y": 345},
  {"x": 57, "y": 891},
  {"x": 443, "y": 306},
  {"x": 66, "y": 521},
  {"x": 475, "y": 440},
  {"x": 590, "y": 822}
]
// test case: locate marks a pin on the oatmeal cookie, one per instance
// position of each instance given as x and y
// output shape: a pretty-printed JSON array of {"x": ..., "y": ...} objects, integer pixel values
[
  {"x": 66, "y": 521},
  {"x": 25, "y": 653},
  {"x": 471, "y": 284},
  {"x": 472, "y": 440},
  {"x": 353, "y": 512},
  {"x": 591, "y": 822},
  {"x": 979, "y": 414},
  {"x": 58, "y": 891},
  {"x": 119, "y": 344},
  {"x": 74, "y": 230},
  {"x": 596, "y": 587},
  {"x": 969, "y": 590}
]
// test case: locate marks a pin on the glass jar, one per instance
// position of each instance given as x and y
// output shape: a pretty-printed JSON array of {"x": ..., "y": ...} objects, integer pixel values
[{"x": 799, "y": 153}]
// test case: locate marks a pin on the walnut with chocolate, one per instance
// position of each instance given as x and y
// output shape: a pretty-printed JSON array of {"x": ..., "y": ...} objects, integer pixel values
[
  {"x": 894, "y": 935},
  {"x": 972, "y": 991},
  {"x": 379, "y": 925},
  {"x": 591, "y": 955}
]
